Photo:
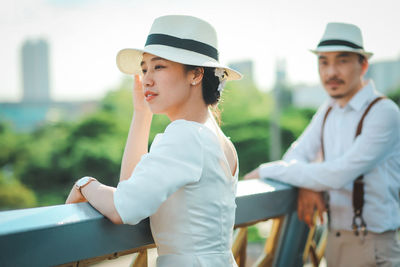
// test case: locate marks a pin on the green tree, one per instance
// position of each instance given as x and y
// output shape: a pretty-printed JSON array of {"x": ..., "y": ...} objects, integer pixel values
[
  {"x": 395, "y": 96},
  {"x": 241, "y": 102},
  {"x": 37, "y": 167},
  {"x": 9, "y": 144},
  {"x": 14, "y": 195},
  {"x": 295, "y": 120},
  {"x": 246, "y": 119}
]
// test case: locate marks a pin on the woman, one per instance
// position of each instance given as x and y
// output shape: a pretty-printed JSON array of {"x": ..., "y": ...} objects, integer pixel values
[{"x": 186, "y": 183}]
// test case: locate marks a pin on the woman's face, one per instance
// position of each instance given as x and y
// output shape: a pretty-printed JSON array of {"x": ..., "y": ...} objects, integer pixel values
[{"x": 166, "y": 85}]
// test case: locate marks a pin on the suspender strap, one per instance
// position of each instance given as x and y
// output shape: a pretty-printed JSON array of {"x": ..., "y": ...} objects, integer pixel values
[
  {"x": 358, "y": 185},
  {"x": 325, "y": 194},
  {"x": 322, "y": 132},
  {"x": 360, "y": 124}
]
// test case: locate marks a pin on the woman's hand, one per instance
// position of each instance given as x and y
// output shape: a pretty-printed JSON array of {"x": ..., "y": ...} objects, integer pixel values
[
  {"x": 138, "y": 137},
  {"x": 254, "y": 174},
  {"x": 75, "y": 196},
  {"x": 139, "y": 103}
]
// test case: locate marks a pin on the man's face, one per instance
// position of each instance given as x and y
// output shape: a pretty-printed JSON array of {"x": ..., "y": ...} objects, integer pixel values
[{"x": 341, "y": 74}]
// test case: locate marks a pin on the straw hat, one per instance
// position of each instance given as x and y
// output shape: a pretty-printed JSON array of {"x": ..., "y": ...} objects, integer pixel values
[
  {"x": 342, "y": 37},
  {"x": 183, "y": 39}
]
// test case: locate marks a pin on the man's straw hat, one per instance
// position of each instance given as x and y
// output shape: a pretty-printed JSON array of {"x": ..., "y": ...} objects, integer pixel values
[{"x": 342, "y": 37}]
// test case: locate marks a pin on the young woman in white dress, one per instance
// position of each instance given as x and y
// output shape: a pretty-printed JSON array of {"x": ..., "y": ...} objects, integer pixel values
[{"x": 186, "y": 183}]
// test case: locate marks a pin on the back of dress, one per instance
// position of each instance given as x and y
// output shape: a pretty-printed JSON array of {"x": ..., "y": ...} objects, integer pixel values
[
  {"x": 190, "y": 194},
  {"x": 193, "y": 227}
]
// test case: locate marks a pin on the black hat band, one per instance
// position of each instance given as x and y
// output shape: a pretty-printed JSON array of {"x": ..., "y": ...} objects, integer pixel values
[
  {"x": 187, "y": 44},
  {"x": 339, "y": 42}
]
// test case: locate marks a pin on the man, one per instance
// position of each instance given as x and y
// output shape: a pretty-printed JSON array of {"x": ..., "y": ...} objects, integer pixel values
[{"x": 364, "y": 235}]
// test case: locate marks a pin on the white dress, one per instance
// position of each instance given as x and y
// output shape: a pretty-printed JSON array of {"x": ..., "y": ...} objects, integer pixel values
[{"x": 186, "y": 187}]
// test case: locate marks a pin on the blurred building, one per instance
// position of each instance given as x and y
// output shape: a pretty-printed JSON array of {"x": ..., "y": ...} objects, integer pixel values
[
  {"x": 386, "y": 75},
  {"x": 280, "y": 73},
  {"x": 308, "y": 96},
  {"x": 246, "y": 68},
  {"x": 36, "y": 107},
  {"x": 26, "y": 116},
  {"x": 282, "y": 98},
  {"x": 282, "y": 88},
  {"x": 35, "y": 71}
]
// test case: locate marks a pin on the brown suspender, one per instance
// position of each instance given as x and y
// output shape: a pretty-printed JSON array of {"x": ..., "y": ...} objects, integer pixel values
[
  {"x": 358, "y": 185},
  {"x": 325, "y": 195},
  {"x": 322, "y": 132}
]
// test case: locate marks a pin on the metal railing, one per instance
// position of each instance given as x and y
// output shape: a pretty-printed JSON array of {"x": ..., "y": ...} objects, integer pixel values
[{"x": 77, "y": 235}]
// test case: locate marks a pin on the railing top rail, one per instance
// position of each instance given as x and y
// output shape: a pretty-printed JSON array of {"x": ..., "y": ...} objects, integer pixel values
[
  {"x": 249, "y": 192},
  {"x": 73, "y": 232},
  {"x": 25, "y": 220}
]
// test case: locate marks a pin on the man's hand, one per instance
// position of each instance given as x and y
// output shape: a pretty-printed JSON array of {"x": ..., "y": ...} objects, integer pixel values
[{"x": 308, "y": 202}]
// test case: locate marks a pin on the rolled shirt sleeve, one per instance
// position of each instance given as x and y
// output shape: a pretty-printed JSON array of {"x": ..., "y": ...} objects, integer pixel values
[{"x": 174, "y": 160}]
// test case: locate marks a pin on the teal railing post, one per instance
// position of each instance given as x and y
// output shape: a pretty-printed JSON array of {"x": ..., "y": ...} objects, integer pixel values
[{"x": 292, "y": 242}]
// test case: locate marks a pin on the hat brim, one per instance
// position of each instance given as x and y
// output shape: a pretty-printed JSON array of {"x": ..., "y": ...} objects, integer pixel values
[
  {"x": 341, "y": 48},
  {"x": 129, "y": 59}
]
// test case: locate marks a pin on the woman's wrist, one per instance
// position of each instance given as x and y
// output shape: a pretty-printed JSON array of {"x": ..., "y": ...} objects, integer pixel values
[
  {"x": 142, "y": 113},
  {"x": 142, "y": 116},
  {"x": 84, "y": 191}
]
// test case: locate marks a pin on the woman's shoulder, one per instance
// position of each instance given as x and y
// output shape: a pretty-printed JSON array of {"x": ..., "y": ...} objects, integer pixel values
[
  {"x": 180, "y": 141},
  {"x": 180, "y": 134},
  {"x": 181, "y": 123},
  {"x": 184, "y": 128}
]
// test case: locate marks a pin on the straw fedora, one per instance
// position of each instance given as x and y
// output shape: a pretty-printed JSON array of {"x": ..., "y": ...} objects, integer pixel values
[
  {"x": 342, "y": 37},
  {"x": 183, "y": 39}
]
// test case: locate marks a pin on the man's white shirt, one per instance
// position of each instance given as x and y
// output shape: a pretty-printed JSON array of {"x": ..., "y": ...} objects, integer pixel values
[{"x": 375, "y": 153}]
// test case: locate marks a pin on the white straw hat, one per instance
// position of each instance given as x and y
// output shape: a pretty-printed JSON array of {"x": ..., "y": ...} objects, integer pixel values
[
  {"x": 183, "y": 39},
  {"x": 342, "y": 37}
]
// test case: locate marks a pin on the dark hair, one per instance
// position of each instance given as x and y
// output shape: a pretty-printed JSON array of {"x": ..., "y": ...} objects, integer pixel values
[
  {"x": 361, "y": 58},
  {"x": 210, "y": 84}
]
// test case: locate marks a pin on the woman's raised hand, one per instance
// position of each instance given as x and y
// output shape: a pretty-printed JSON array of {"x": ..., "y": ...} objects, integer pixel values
[
  {"x": 139, "y": 103},
  {"x": 138, "y": 137}
]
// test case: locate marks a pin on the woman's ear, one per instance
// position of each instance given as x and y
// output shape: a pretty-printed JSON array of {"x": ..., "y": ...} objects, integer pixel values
[{"x": 197, "y": 75}]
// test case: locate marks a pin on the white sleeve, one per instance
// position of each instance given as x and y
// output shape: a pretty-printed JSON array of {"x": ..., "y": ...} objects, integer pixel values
[
  {"x": 379, "y": 135},
  {"x": 176, "y": 159}
]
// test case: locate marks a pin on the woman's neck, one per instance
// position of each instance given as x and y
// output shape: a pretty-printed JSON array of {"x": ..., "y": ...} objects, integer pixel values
[{"x": 195, "y": 113}]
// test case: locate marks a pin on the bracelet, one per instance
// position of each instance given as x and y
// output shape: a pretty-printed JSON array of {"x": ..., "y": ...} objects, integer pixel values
[{"x": 84, "y": 181}]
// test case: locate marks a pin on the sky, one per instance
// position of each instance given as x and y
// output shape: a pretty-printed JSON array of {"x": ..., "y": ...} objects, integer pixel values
[{"x": 84, "y": 36}]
